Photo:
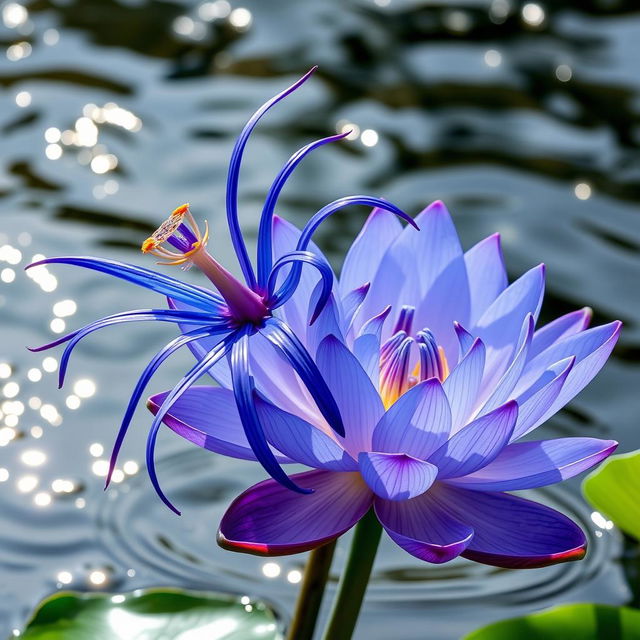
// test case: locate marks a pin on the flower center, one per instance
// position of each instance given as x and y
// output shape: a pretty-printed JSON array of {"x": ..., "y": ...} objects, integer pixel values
[
  {"x": 182, "y": 233},
  {"x": 398, "y": 353}
]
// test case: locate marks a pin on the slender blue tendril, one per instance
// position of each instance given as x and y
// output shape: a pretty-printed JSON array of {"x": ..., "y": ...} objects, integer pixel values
[
  {"x": 209, "y": 360},
  {"x": 143, "y": 381},
  {"x": 234, "y": 175},
  {"x": 243, "y": 390},
  {"x": 309, "y": 229},
  {"x": 162, "y": 315},
  {"x": 287, "y": 343},
  {"x": 305, "y": 257},
  {"x": 265, "y": 237}
]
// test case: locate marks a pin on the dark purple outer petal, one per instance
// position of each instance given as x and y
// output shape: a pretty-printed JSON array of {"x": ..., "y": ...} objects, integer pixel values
[
  {"x": 424, "y": 527},
  {"x": 512, "y": 532},
  {"x": 269, "y": 520}
]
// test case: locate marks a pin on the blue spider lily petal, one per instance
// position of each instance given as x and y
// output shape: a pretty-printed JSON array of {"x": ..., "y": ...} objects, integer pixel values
[
  {"x": 265, "y": 238},
  {"x": 234, "y": 175},
  {"x": 244, "y": 390},
  {"x": 188, "y": 293},
  {"x": 281, "y": 296},
  {"x": 213, "y": 356},
  {"x": 281, "y": 336},
  {"x": 144, "y": 379}
]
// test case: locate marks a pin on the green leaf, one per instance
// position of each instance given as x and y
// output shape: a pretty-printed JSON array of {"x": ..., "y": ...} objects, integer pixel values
[
  {"x": 573, "y": 621},
  {"x": 614, "y": 490},
  {"x": 154, "y": 614}
]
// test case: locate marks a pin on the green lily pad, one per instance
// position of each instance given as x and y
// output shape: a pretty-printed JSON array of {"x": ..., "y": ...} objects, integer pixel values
[
  {"x": 153, "y": 614},
  {"x": 574, "y": 621},
  {"x": 614, "y": 490}
]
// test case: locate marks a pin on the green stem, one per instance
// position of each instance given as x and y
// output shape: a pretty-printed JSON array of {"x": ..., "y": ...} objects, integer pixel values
[
  {"x": 316, "y": 574},
  {"x": 355, "y": 579}
]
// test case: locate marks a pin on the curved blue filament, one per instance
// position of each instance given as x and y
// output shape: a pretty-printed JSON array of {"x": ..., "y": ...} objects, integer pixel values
[
  {"x": 234, "y": 175},
  {"x": 205, "y": 318},
  {"x": 265, "y": 232},
  {"x": 143, "y": 381},
  {"x": 276, "y": 300},
  {"x": 293, "y": 279},
  {"x": 188, "y": 293},
  {"x": 212, "y": 357},
  {"x": 243, "y": 390},
  {"x": 166, "y": 316},
  {"x": 287, "y": 343}
]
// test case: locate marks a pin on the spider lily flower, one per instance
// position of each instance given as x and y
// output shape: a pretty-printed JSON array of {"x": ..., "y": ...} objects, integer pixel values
[
  {"x": 438, "y": 374},
  {"x": 233, "y": 318}
]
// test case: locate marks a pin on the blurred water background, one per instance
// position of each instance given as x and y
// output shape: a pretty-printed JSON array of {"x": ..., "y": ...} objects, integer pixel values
[{"x": 523, "y": 117}]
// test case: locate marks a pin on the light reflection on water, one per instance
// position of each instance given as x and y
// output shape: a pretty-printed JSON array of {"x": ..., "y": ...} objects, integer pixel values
[{"x": 522, "y": 116}]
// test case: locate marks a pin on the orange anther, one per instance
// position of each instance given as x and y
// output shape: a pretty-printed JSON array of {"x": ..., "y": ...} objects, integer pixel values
[
  {"x": 181, "y": 210},
  {"x": 149, "y": 245}
]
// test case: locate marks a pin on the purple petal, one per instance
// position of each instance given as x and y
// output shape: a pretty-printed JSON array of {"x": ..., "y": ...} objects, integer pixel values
[
  {"x": 366, "y": 347},
  {"x": 526, "y": 465},
  {"x": 352, "y": 303},
  {"x": 463, "y": 383},
  {"x": 465, "y": 340},
  {"x": 499, "y": 326},
  {"x": 486, "y": 273},
  {"x": 425, "y": 266},
  {"x": 359, "y": 402},
  {"x": 438, "y": 263},
  {"x": 592, "y": 346},
  {"x": 301, "y": 441},
  {"x": 424, "y": 527},
  {"x": 534, "y": 409},
  {"x": 364, "y": 256},
  {"x": 328, "y": 322},
  {"x": 477, "y": 444},
  {"x": 269, "y": 520},
  {"x": 560, "y": 328},
  {"x": 584, "y": 371},
  {"x": 396, "y": 476},
  {"x": 208, "y": 417},
  {"x": 503, "y": 389},
  {"x": 512, "y": 532},
  {"x": 417, "y": 423}
]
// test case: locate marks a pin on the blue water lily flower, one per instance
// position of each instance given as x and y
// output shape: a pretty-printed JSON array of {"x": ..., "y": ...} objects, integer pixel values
[
  {"x": 440, "y": 373},
  {"x": 222, "y": 326}
]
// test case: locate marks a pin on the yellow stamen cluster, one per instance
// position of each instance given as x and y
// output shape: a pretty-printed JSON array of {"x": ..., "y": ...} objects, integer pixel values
[
  {"x": 153, "y": 244},
  {"x": 389, "y": 393}
]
